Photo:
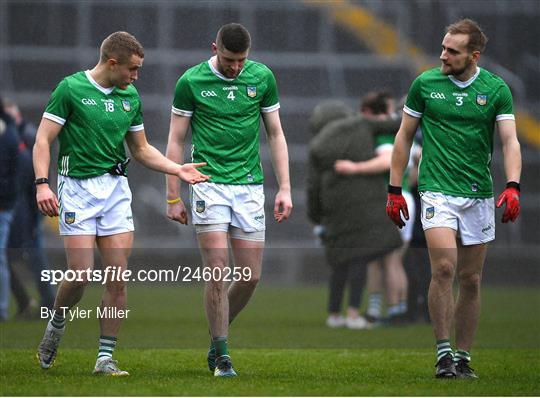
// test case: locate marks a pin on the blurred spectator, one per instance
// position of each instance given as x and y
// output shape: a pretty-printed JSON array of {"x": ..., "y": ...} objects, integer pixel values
[
  {"x": 355, "y": 230},
  {"x": 26, "y": 230},
  {"x": 9, "y": 153},
  {"x": 386, "y": 274}
]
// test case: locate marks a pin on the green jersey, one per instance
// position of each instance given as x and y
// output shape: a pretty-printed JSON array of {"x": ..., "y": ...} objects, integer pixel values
[
  {"x": 225, "y": 118},
  {"x": 95, "y": 121},
  {"x": 458, "y": 121}
]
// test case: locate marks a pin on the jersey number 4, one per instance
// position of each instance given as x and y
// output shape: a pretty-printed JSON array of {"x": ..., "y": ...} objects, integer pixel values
[{"x": 231, "y": 95}]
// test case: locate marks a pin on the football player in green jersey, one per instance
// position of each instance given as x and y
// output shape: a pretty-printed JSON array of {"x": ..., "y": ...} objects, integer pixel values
[
  {"x": 222, "y": 99},
  {"x": 92, "y": 113},
  {"x": 457, "y": 106}
]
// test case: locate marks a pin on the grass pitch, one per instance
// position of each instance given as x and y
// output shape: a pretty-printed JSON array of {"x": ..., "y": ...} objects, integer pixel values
[{"x": 279, "y": 346}]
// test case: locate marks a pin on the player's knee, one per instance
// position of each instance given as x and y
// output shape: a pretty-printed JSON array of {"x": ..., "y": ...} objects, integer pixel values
[
  {"x": 77, "y": 284},
  {"x": 469, "y": 281},
  {"x": 443, "y": 271},
  {"x": 116, "y": 288},
  {"x": 250, "y": 283}
]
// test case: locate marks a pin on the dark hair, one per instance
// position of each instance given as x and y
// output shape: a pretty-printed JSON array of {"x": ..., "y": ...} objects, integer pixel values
[
  {"x": 477, "y": 38},
  {"x": 120, "y": 46},
  {"x": 376, "y": 102},
  {"x": 233, "y": 37}
]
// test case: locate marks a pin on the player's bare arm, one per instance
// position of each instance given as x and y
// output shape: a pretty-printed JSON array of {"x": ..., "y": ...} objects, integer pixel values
[
  {"x": 378, "y": 164},
  {"x": 511, "y": 149},
  {"x": 150, "y": 157},
  {"x": 46, "y": 199},
  {"x": 512, "y": 167},
  {"x": 280, "y": 161},
  {"x": 176, "y": 210},
  {"x": 402, "y": 148}
]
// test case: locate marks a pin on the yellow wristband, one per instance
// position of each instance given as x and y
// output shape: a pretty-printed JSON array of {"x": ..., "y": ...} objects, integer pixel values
[{"x": 173, "y": 201}]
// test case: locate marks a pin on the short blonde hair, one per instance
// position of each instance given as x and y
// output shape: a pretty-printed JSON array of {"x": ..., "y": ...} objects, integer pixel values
[{"x": 120, "y": 46}]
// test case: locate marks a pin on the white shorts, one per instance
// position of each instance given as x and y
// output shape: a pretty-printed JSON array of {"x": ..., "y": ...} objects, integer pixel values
[
  {"x": 472, "y": 218},
  {"x": 97, "y": 206},
  {"x": 407, "y": 231},
  {"x": 241, "y": 206}
]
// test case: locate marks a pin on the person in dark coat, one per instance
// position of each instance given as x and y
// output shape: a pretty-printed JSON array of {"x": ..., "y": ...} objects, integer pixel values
[
  {"x": 355, "y": 227},
  {"x": 9, "y": 152},
  {"x": 26, "y": 235}
]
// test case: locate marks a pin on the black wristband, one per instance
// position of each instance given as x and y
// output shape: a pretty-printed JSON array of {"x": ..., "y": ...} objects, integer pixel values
[
  {"x": 394, "y": 190},
  {"x": 513, "y": 184},
  {"x": 41, "y": 181}
]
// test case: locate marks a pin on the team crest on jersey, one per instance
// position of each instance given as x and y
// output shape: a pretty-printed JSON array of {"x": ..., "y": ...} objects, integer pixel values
[
  {"x": 430, "y": 212},
  {"x": 481, "y": 99},
  {"x": 126, "y": 105},
  {"x": 69, "y": 217},
  {"x": 200, "y": 206},
  {"x": 252, "y": 91}
]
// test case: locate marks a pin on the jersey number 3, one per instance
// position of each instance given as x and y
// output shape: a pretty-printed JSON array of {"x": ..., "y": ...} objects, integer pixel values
[{"x": 459, "y": 101}]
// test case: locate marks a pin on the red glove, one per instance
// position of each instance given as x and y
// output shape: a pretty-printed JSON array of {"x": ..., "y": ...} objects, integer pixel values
[
  {"x": 510, "y": 196},
  {"x": 395, "y": 204}
]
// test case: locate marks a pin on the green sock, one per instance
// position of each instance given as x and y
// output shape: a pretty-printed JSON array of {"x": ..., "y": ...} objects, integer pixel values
[
  {"x": 220, "y": 343},
  {"x": 58, "y": 321},
  {"x": 107, "y": 344},
  {"x": 443, "y": 348},
  {"x": 462, "y": 355}
]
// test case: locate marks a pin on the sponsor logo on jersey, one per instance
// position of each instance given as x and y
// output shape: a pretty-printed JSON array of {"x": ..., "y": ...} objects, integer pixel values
[
  {"x": 249, "y": 178},
  {"x": 126, "y": 105},
  {"x": 200, "y": 206},
  {"x": 481, "y": 99},
  {"x": 474, "y": 187},
  {"x": 69, "y": 217},
  {"x": 430, "y": 212},
  {"x": 230, "y": 88},
  {"x": 208, "y": 93},
  {"x": 109, "y": 105},
  {"x": 88, "y": 101},
  {"x": 437, "y": 95},
  {"x": 259, "y": 218},
  {"x": 251, "y": 91}
]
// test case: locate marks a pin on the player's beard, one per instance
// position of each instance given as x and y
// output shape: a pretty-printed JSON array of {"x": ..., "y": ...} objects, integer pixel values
[{"x": 455, "y": 72}]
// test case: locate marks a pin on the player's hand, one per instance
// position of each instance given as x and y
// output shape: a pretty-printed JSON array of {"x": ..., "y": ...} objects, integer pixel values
[
  {"x": 395, "y": 206},
  {"x": 510, "y": 196},
  {"x": 188, "y": 172},
  {"x": 47, "y": 201},
  {"x": 282, "y": 205},
  {"x": 346, "y": 167},
  {"x": 177, "y": 212}
]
